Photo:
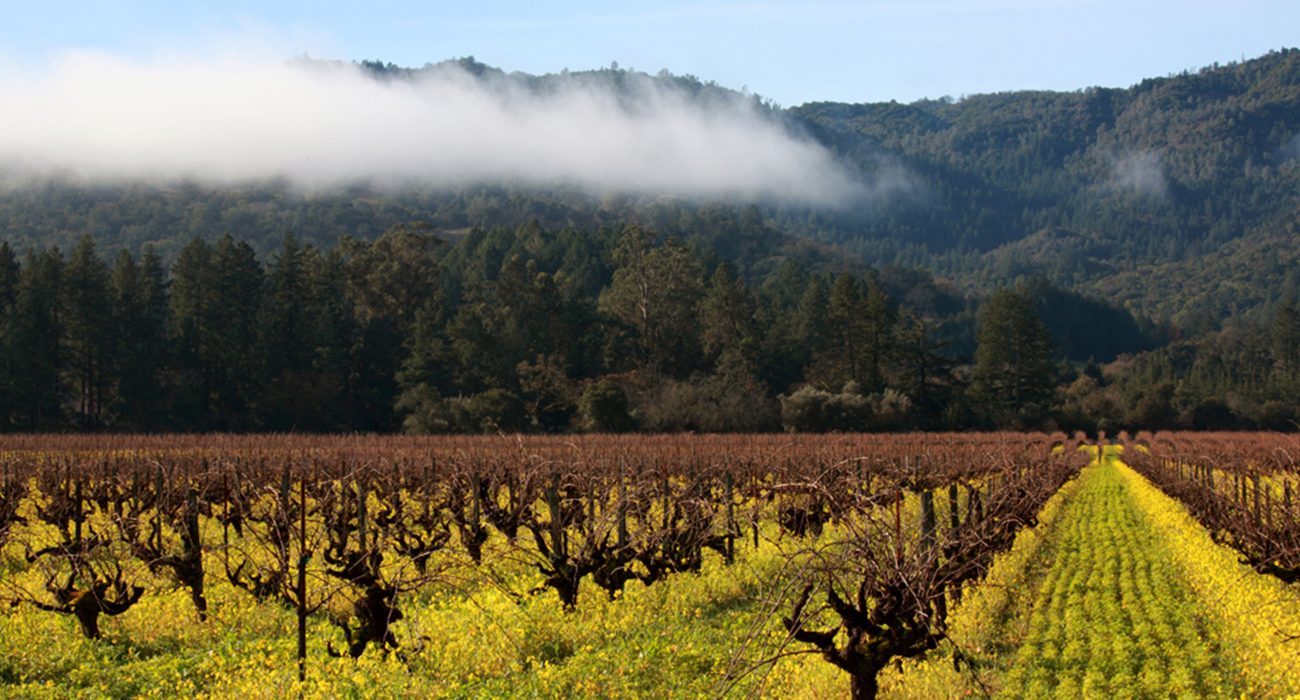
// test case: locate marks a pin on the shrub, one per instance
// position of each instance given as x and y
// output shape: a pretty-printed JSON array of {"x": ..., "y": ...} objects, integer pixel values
[
  {"x": 1276, "y": 415},
  {"x": 1211, "y": 414},
  {"x": 604, "y": 407},
  {"x": 891, "y": 412},
  {"x": 498, "y": 410},
  {"x": 428, "y": 413},
  {"x": 709, "y": 404},
  {"x": 812, "y": 410}
]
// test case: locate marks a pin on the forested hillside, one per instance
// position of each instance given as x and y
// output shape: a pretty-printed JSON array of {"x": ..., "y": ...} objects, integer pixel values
[
  {"x": 1153, "y": 229},
  {"x": 1088, "y": 186}
]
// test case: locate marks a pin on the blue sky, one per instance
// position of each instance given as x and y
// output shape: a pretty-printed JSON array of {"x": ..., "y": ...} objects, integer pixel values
[{"x": 790, "y": 52}]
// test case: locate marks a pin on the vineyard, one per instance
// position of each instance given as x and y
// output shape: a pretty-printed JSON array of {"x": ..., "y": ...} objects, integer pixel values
[{"x": 648, "y": 566}]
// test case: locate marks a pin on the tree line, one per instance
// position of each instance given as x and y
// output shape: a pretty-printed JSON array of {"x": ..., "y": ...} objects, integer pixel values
[{"x": 530, "y": 329}]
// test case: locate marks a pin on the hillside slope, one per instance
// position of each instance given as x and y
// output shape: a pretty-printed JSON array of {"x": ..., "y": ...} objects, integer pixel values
[
  {"x": 1081, "y": 186},
  {"x": 1154, "y": 196}
]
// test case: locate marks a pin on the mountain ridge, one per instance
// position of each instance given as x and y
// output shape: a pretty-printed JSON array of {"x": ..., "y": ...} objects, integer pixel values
[{"x": 1085, "y": 187}]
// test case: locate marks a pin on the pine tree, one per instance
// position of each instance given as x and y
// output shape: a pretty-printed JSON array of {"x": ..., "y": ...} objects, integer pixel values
[
  {"x": 727, "y": 317},
  {"x": 925, "y": 372},
  {"x": 388, "y": 283},
  {"x": 139, "y": 293},
  {"x": 656, "y": 291},
  {"x": 195, "y": 329},
  {"x": 284, "y": 322},
  {"x": 859, "y": 327},
  {"x": 1286, "y": 339},
  {"x": 36, "y": 336},
  {"x": 10, "y": 361},
  {"x": 814, "y": 304},
  {"x": 1013, "y": 361},
  {"x": 88, "y": 332},
  {"x": 215, "y": 298}
]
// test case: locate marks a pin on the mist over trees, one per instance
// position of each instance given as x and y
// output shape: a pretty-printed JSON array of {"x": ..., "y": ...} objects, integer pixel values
[
  {"x": 1151, "y": 229},
  {"x": 1144, "y": 196},
  {"x": 1148, "y": 195}
]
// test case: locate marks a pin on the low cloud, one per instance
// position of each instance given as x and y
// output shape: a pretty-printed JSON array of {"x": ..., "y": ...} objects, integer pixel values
[
  {"x": 1290, "y": 151},
  {"x": 318, "y": 124},
  {"x": 1142, "y": 173}
]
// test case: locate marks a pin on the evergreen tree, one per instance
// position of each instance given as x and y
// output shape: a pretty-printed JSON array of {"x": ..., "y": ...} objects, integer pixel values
[
  {"x": 333, "y": 332},
  {"x": 215, "y": 298},
  {"x": 88, "y": 331},
  {"x": 814, "y": 331},
  {"x": 11, "y": 363},
  {"x": 727, "y": 320},
  {"x": 36, "y": 337},
  {"x": 787, "y": 287},
  {"x": 426, "y": 375},
  {"x": 656, "y": 291},
  {"x": 301, "y": 355},
  {"x": 239, "y": 282},
  {"x": 196, "y": 331},
  {"x": 139, "y": 293},
  {"x": 1013, "y": 362},
  {"x": 532, "y": 304},
  {"x": 1286, "y": 339},
  {"x": 481, "y": 354},
  {"x": 284, "y": 324},
  {"x": 859, "y": 325},
  {"x": 388, "y": 283},
  {"x": 924, "y": 371},
  {"x": 877, "y": 336}
]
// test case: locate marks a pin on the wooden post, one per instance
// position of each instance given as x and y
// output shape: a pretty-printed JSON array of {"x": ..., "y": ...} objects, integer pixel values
[
  {"x": 361, "y": 512},
  {"x": 954, "y": 516},
  {"x": 731, "y": 519},
  {"x": 303, "y": 556},
  {"x": 429, "y": 470},
  {"x": 622, "y": 503},
  {"x": 928, "y": 524},
  {"x": 77, "y": 516},
  {"x": 284, "y": 490},
  {"x": 591, "y": 503},
  {"x": 159, "y": 501},
  {"x": 135, "y": 500},
  {"x": 476, "y": 509},
  {"x": 225, "y": 521},
  {"x": 898, "y": 518},
  {"x": 954, "y": 522},
  {"x": 664, "y": 475},
  {"x": 1254, "y": 478},
  {"x": 557, "y": 524}
]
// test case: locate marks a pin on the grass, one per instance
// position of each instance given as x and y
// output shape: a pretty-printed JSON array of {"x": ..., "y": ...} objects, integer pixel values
[
  {"x": 465, "y": 638},
  {"x": 1257, "y": 616},
  {"x": 1117, "y": 593},
  {"x": 1113, "y": 616}
]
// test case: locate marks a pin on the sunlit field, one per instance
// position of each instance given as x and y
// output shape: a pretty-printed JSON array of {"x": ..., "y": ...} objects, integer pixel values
[{"x": 903, "y": 566}]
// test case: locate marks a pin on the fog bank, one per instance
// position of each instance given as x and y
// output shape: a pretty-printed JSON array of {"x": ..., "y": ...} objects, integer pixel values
[{"x": 324, "y": 124}]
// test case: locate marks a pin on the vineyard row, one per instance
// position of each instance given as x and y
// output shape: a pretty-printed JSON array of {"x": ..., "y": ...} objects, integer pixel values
[{"x": 303, "y": 523}]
